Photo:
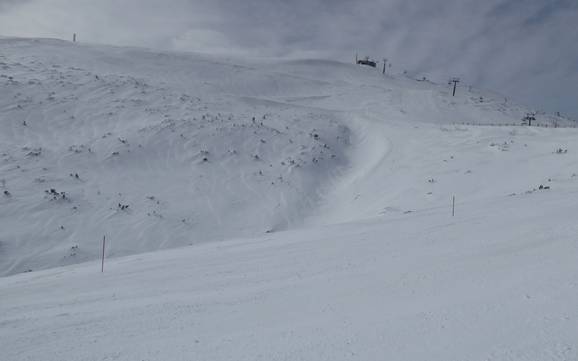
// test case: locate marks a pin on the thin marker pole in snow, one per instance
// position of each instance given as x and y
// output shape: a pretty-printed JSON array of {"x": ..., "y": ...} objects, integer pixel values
[
  {"x": 453, "y": 206},
  {"x": 103, "y": 245}
]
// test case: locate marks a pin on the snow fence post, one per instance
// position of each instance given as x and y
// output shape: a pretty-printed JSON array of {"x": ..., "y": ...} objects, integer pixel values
[
  {"x": 453, "y": 206},
  {"x": 103, "y": 245}
]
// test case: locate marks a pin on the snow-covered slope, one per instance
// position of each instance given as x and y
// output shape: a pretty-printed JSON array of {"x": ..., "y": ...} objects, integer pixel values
[
  {"x": 191, "y": 162},
  {"x": 498, "y": 281},
  {"x": 201, "y": 148},
  {"x": 317, "y": 196}
]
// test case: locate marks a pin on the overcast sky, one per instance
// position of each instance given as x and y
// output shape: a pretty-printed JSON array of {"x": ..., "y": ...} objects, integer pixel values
[{"x": 526, "y": 49}]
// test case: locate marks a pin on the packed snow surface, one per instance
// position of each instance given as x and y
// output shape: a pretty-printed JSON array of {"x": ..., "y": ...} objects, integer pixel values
[{"x": 266, "y": 209}]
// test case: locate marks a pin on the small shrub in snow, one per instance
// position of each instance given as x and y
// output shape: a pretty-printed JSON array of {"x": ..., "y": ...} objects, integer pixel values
[
  {"x": 36, "y": 152},
  {"x": 73, "y": 250},
  {"x": 55, "y": 194}
]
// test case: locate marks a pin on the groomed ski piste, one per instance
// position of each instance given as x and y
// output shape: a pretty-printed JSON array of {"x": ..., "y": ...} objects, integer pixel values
[{"x": 275, "y": 209}]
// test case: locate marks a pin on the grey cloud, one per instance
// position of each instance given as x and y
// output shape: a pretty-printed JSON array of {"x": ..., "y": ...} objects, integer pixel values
[
  {"x": 525, "y": 48},
  {"x": 6, "y": 4}
]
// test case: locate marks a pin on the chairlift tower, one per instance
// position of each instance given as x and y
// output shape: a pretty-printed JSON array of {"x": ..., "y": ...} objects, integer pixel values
[{"x": 455, "y": 81}]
